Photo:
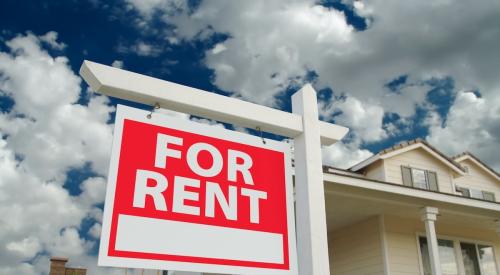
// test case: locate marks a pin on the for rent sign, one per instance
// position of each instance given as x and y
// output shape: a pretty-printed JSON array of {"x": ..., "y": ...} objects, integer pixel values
[{"x": 188, "y": 196}]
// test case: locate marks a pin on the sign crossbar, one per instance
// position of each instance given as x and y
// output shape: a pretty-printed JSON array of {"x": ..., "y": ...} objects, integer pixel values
[{"x": 135, "y": 87}]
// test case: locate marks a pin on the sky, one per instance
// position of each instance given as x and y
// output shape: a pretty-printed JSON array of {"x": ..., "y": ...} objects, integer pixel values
[{"x": 389, "y": 70}]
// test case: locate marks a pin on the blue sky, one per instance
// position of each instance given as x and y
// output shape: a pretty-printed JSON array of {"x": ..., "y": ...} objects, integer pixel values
[{"x": 389, "y": 70}]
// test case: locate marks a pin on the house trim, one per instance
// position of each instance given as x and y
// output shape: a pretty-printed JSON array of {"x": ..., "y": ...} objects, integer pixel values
[{"x": 409, "y": 191}]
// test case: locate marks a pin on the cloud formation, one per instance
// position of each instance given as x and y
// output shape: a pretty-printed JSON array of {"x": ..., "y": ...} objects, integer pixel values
[
  {"x": 43, "y": 135},
  {"x": 473, "y": 123},
  {"x": 272, "y": 46}
]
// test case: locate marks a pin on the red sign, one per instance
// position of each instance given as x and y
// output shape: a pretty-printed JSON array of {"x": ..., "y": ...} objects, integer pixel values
[{"x": 188, "y": 196}]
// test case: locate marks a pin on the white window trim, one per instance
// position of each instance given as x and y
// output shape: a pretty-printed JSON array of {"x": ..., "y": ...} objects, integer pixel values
[{"x": 458, "y": 251}]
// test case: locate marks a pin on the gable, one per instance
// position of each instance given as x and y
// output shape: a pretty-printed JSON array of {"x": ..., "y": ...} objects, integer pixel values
[
  {"x": 432, "y": 155},
  {"x": 478, "y": 178},
  {"x": 408, "y": 147},
  {"x": 467, "y": 157},
  {"x": 475, "y": 170},
  {"x": 420, "y": 159}
]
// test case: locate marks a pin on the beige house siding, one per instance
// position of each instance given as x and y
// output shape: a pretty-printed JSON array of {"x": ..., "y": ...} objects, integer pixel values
[
  {"x": 402, "y": 245},
  {"x": 477, "y": 178},
  {"x": 376, "y": 171},
  {"x": 356, "y": 249},
  {"x": 421, "y": 159},
  {"x": 401, "y": 234}
]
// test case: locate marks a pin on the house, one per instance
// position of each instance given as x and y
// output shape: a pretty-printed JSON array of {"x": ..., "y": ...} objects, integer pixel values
[{"x": 412, "y": 210}]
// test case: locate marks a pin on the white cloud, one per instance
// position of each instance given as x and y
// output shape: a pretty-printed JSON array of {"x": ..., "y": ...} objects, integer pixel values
[
  {"x": 364, "y": 119},
  {"x": 68, "y": 243},
  {"x": 404, "y": 101},
  {"x": 472, "y": 125},
  {"x": 93, "y": 191},
  {"x": 148, "y": 7},
  {"x": 344, "y": 155},
  {"x": 27, "y": 247},
  {"x": 51, "y": 39},
  {"x": 117, "y": 64},
  {"x": 218, "y": 48},
  {"x": 42, "y": 136},
  {"x": 95, "y": 230},
  {"x": 273, "y": 45},
  {"x": 270, "y": 45},
  {"x": 45, "y": 127},
  {"x": 140, "y": 48},
  {"x": 145, "y": 49}
]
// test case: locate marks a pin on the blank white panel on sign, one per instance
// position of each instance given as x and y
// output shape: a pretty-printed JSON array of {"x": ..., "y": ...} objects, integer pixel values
[{"x": 148, "y": 235}]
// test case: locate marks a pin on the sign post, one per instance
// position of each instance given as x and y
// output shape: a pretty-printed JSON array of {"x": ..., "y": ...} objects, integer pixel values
[
  {"x": 309, "y": 189},
  {"x": 302, "y": 125}
]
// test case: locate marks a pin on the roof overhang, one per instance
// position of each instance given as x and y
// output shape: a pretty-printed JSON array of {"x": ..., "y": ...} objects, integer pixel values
[{"x": 419, "y": 196}]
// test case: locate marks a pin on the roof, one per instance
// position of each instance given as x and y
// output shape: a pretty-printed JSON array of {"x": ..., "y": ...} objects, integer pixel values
[
  {"x": 407, "y": 146},
  {"x": 478, "y": 162}
]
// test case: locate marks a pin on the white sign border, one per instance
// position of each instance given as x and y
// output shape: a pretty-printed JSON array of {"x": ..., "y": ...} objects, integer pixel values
[{"x": 124, "y": 112}]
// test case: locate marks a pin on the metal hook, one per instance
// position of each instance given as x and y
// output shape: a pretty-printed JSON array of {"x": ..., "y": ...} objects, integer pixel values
[
  {"x": 260, "y": 132},
  {"x": 155, "y": 107}
]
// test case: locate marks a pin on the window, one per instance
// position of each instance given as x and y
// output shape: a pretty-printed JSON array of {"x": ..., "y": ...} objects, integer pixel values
[
  {"x": 419, "y": 178},
  {"x": 446, "y": 256},
  {"x": 466, "y": 169},
  {"x": 487, "y": 259},
  {"x": 475, "y": 193},
  {"x": 488, "y": 196},
  {"x": 463, "y": 191},
  {"x": 469, "y": 257},
  {"x": 477, "y": 259}
]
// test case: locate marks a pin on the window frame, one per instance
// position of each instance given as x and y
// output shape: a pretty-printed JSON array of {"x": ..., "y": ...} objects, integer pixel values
[
  {"x": 427, "y": 181},
  {"x": 489, "y": 193},
  {"x": 459, "y": 188},
  {"x": 466, "y": 169},
  {"x": 458, "y": 251}
]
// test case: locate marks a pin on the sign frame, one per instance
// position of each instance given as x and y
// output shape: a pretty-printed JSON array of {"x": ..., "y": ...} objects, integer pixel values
[{"x": 158, "y": 119}]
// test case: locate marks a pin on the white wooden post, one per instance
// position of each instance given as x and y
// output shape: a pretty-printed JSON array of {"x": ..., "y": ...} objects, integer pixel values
[
  {"x": 429, "y": 216},
  {"x": 312, "y": 242}
]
